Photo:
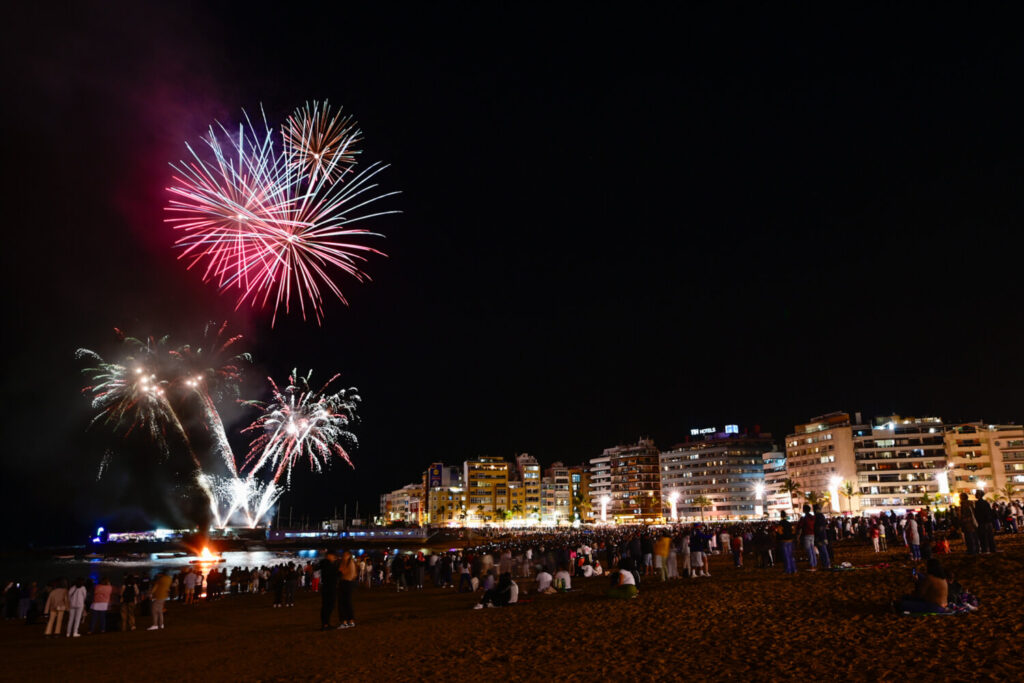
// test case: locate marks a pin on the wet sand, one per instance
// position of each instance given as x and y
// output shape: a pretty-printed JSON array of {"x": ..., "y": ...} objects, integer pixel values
[{"x": 747, "y": 624}]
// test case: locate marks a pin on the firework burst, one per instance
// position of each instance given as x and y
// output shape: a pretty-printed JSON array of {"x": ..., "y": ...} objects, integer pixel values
[
  {"x": 131, "y": 397},
  {"x": 300, "y": 423},
  {"x": 320, "y": 143},
  {"x": 276, "y": 222}
]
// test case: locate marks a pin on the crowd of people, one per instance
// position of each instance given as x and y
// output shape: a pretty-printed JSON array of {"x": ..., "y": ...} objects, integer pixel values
[{"x": 549, "y": 560}]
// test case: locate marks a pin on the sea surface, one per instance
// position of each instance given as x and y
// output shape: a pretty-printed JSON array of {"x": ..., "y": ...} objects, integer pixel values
[{"x": 46, "y": 569}]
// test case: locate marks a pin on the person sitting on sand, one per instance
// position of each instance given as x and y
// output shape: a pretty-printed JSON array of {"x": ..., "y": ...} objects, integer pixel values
[
  {"x": 562, "y": 581},
  {"x": 623, "y": 582},
  {"x": 544, "y": 582},
  {"x": 931, "y": 593},
  {"x": 499, "y": 596},
  {"x": 598, "y": 569}
]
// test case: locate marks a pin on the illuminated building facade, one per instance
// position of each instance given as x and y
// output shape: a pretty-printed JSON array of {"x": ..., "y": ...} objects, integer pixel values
[
  {"x": 975, "y": 455},
  {"x": 900, "y": 462},
  {"x": 724, "y": 467},
  {"x": 820, "y": 458},
  {"x": 635, "y": 482},
  {"x": 776, "y": 500},
  {"x": 485, "y": 480}
]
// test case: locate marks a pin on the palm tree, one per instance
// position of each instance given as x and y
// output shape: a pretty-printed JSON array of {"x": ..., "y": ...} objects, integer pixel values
[
  {"x": 1008, "y": 491},
  {"x": 702, "y": 502},
  {"x": 581, "y": 504},
  {"x": 790, "y": 487},
  {"x": 463, "y": 515},
  {"x": 848, "y": 492},
  {"x": 480, "y": 511},
  {"x": 517, "y": 510},
  {"x": 499, "y": 514},
  {"x": 817, "y": 497}
]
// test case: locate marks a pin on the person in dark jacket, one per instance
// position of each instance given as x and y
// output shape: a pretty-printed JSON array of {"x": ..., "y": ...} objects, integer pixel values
[
  {"x": 328, "y": 588},
  {"x": 986, "y": 530}
]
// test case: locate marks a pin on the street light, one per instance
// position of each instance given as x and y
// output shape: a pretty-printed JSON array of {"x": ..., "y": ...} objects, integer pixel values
[
  {"x": 833, "y": 492},
  {"x": 673, "y": 498}
]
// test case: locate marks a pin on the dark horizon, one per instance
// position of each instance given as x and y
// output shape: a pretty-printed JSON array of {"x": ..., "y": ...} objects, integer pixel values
[{"x": 612, "y": 226}]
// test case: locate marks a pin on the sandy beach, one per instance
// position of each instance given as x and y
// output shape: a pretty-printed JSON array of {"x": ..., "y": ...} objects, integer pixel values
[{"x": 746, "y": 623}]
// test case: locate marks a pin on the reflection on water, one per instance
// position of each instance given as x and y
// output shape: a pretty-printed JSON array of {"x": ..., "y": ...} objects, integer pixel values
[{"x": 148, "y": 565}]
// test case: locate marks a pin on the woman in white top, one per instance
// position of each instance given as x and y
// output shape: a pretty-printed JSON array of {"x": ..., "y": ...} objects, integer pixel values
[{"x": 625, "y": 584}]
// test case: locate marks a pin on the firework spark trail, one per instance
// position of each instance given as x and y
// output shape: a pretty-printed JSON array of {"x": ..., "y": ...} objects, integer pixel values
[
  {"x": 301, "y": 423},
  {"x": 273, "y": 223},
  {"x": 249, "y": 498},
  {"x": 205, "y": 370}
]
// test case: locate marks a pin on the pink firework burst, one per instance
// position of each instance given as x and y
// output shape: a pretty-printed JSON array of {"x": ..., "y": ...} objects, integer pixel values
[{"x": 270, "y": 228}]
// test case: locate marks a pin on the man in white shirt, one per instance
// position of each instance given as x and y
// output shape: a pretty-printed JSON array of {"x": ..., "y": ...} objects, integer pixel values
[{"x": 544, "y": 582}]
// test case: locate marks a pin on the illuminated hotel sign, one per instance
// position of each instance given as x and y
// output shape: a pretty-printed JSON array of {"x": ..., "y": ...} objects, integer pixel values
[{"x": 703, "y": 431}]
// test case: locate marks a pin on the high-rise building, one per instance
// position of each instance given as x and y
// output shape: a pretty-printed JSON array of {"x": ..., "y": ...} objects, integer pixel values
[
  {"x": 485, "y": 480},
  {"x": 635, "y": 482},
  {"x": 776, "y": 499},
  {"x": 600, "y": 489},
  {"x": 1011, "y": 453},
  {"x": 558, "y": 502},
  {"x": 724, "y": 468},
  {"x": 820, "y": 458},
  {"x": 900, "y": 463},
  {"x": 579, "y": 494},
  {"x": 974, "y": 455},
  {"x": 445, "y": 498},
  {"x": 528, "y": 470}
]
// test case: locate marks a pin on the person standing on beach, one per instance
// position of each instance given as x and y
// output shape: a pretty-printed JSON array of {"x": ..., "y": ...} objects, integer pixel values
[
  {"x": 76, "y": 600},
  {"x": 986, "y": 531},
  {"x": 821, "y": 542},
  {"x": 158, "y": 594},
  {"x": 129, "y": 597},
  {"x": 56, "y": 605},
  {"x": 806, "y": 529},
  {"x": 786, "y": 539},
  {"x": 328, "y": 588},
  {"x": 346, "y": 585},
  {"x": 100, "y": 603},
  {"x": 968, "y": 524}
]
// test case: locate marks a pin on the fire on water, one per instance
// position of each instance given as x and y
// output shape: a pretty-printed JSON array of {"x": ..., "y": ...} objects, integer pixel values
[{"x": 206, "y": 557}]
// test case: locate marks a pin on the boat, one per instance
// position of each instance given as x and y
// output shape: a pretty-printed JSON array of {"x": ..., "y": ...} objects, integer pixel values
[
  {"x": 211, "y": 560},
  {"x": 63, "y": 557},
  {"x": 170, "y": 556}
]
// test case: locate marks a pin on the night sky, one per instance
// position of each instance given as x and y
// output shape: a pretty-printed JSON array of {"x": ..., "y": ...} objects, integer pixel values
[{"x": 614, "y": 225}]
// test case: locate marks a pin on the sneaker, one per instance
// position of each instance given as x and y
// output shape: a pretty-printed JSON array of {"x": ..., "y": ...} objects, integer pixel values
[
  {"x": 478, "y": 606},
  {"x": 154, "y": 627},
  {"x": 77, "y": 635},
  {"x": 342, "y": 627}
]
